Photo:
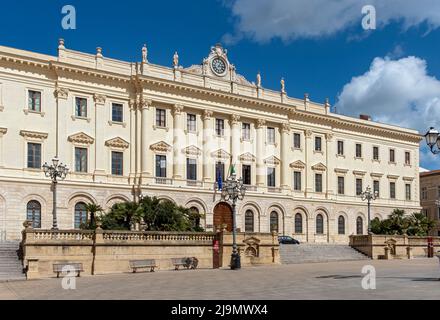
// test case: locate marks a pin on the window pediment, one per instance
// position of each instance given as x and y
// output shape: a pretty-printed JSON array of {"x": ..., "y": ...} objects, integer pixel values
[
  {"x": 319, "y": 167},
  {"x": 221, "y": 154},
  {"x": 359, "y": 173},
  {"x": 160, "y": 146},
  {"x": 408, "y": 178},
  {"x": 81, "y": 138},
  {"x": 341, "y": 171},
  {"x": 192, "y": 151},
  {"x": 272, "y": 161},
  {"x": 298, "y": 165},
  {"x": 117, "y": 143},
  {"x": 34, "y": 134},
  {"x": 247, "y": 157}
]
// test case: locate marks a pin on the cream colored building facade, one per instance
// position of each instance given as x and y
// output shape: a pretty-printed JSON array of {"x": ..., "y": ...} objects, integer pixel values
[
  {"x": 130, "y": 129},
  {"x": 430, "y": 196}
]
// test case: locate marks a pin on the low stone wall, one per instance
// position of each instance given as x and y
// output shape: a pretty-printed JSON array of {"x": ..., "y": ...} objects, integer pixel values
[
  {"x": 105, "y": 252},
  {"x": 393, "y": 246}
]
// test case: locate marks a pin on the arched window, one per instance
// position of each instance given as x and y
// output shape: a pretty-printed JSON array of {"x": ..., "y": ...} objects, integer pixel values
[
  {"x": 33, "y": 213},
  {"x": 80, "y": 214},
  {"x": 319, "y": 224},
  {"x": 359, "y": 226},
  {"x": 341, "y": 225},
  {"x": 196, "y": 216},
  {"x": 298, "y": 223},
  {"x": 249, "y": 221},
  {"x": 274, "y": 221}
]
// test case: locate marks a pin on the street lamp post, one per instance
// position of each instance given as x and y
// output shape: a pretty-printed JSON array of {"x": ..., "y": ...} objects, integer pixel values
[
  {"x": 54, "y": 172},
  {"x": 369, "y": 196},
  {"x": 433, "y": 140},
  {"x": 234, "y": 190}
]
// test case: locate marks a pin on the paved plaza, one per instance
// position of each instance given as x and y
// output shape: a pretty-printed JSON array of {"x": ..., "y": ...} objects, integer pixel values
[{"x": 396, "y": 279}]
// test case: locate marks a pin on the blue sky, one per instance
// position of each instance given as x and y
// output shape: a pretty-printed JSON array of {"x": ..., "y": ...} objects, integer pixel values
[{"x": 317, "y": 46}]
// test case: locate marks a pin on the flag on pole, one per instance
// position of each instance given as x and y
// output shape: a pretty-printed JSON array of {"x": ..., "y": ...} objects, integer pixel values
[{"x": 219, "y": 180}]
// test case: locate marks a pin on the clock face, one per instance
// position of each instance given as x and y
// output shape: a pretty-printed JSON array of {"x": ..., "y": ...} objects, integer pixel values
[{"x": 218, "y": 66}]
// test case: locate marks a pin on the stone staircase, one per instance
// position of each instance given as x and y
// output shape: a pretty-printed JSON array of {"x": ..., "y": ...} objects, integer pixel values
[
  {"x": 11, "y": 267},
  {"x": 309, "y": 253}
]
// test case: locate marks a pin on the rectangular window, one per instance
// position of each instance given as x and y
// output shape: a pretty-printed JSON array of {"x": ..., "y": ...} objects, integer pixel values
[
  {"x": 359, "y": 187},
  {"x": 297, "y": 181},
  {"x": 219, "y": 171},
  {"x": 191, "y": 125},
  {"x": 318, "y": 182},
  {"x": 34, "y": 101},
  {"x": 358, "y": 150},
  {"x": 341, "y": 185},
  {"x": 392, "y": 156},
  {"x": 117, "y": 112},
  {"x": 318, "y": 144},
  {"x": 80, "y": 159},
  {"x": 271, "y": 177},
  {"x": 392, "y": 190},
  {"x": 81, "y": 107},
  {"x": 340, "y": 148},
  {"x": 246, "y": 174},
  {"x": 407, "y": 158},
  {"x": 424, "y": 192},
  {"x": 376, "y": 188},
  {"x": 376, "y": 153},
  {"x": 161, "y": 166},
  {"x": 408, "y": 191},
  {"x": 220, "y": 127},
  {"x": 34, "y": 155},
  {"x": 270, "y": 135},
  {"x": 117, "y": 163},
  {"x": 191, "y": 169},
  {"x": 246, "y": 131},
  {"x": 297, "y": 141},
  {"x": 161, "y": 118}
]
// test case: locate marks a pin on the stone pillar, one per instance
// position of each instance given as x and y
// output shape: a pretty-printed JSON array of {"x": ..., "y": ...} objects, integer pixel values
[
  {"x": 285, "y": 146},
  {"x": 261, "y": 172},
  {"x": 178, "y": 137},
  {"x": 133, "y": 143},
  {"x": 146, "y": 164},
  {"x": 100, "y": 152},
  {"x": 235, "y": 139},
  {"x": 308, "y": 173},
  {"x": 63, "y": 114},
  {"x": 329, "y": 177},
  {"x": 32, "y": 269},
  {"x": 207, "y": 147}
]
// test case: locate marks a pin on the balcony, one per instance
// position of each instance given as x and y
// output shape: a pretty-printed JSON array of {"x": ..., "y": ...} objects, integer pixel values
[{"x": 194, "y": 183}]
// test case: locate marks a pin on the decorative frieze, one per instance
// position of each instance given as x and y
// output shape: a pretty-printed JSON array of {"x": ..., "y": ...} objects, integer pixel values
[
  {"x": 34, "y": 134},
  {"x": 192, "y": 151},
  {"x": 359, "y": 173},
  {"x": 160, "y": 146},
  {"x": 81, "y": 138},
  {"x": 272, "y": 161},
  {"x": 298, "y": 165},
  {"x": 117, "y": 143},
  {"x": 247, "y": 157},
  {"x": 319, "y": 167},
  {"x": 221, "y": 154}
]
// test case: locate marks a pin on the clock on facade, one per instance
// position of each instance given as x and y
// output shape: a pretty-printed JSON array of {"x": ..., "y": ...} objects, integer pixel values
[{"x": 218, "y": 65}]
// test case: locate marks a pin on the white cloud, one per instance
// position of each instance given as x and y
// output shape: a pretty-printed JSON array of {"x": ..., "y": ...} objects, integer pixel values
[
  {"x": 262, "y": 20},
  {"x": 398, "y": 92}
]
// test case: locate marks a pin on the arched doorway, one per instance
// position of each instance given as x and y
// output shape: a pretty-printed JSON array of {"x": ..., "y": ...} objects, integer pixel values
[{"x": 223, "y": 215}]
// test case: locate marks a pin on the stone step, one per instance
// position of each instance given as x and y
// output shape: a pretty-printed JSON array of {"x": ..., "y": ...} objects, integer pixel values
[
  {"x": 11, "y": 267},
  {"x": 306, "y": 253}
]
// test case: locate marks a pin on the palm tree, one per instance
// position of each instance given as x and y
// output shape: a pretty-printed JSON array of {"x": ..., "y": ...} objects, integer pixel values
[
  {"x": 93, "y": 209},
  {"x": 420, "y": 224}
]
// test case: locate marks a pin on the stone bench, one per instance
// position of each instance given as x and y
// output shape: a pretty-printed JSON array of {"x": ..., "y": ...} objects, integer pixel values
[
  {"x": 186, "y": 262},
  {"x": 68, "y": 267},
  {"x": 142, "y": 264}
]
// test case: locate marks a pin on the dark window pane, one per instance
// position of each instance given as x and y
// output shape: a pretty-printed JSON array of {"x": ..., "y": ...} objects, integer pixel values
[
  {"x": 117, "y": 163},
  {"x": 34, "y": 103},
  {"x": 80, "y": 214},
  {"x": 271, "y": 177},
  {"x": 340, "y": 148},
  {"x": 219, "y": 127},
  {"x": 273, "y": 221},
  {"x": 341, "y": 186},
  {"x": 34, "y": 155},
  {"x": 80, "y": 159},
  {"x": 358, "y": 150},
  {"x": 341, "y": 225},
  {"x": 81, "y": 107},
  {"x": 318, "y": 182},
  {"x": 246, "y": 174},
  {"x": 161, "y": 166},
  {"x": 191, "y": 169},
  {"x": 298, "y": 223},
  {"x": 319, "y": 224},
  {"x": 358, "y": 187},
  {"x": 359, "y": 226},
  {"x": 117, "y": 112},
  {"x": 246, "y": 131},
  {"x": 191, "y": 122},
  {"x": 297, "y": 181},
  {"x": 318, "y": 146},
  {"x": 161, "y": 118},
  {"x": 220, "y": 171},
  {"x": 249, "y": 221},
  {"x": 297, "y": 140},
  {"x": 33, "y": 213}
]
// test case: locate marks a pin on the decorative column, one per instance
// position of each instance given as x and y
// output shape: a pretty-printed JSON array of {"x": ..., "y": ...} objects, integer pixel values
[
  {"x": 2, "y": 132},
  {"x": 207, "y": 146},
  {"x": 62, "y": 114},
  {"x": 329, "y": 154},
  {"x": 146, "y": 161},
  {"x": 261, "y": 172},
  {"x": 179, "y": 135},
  {"x": 235, "y": 138},
  {"x": 285, "y": 146},
  {"x": 100, "y": 152},
  {"x": 133, "y": 144},
  {"x": 308, "y": 174}
]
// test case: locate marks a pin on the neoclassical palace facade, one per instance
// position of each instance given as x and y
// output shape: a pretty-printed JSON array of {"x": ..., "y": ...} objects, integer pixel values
[{"x": 133, "y": 129}]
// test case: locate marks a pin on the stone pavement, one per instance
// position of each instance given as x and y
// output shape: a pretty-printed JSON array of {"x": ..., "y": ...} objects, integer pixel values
[{"x": 396, "y": 279}]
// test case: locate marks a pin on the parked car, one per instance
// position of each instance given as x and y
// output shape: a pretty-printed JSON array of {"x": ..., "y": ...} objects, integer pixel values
[{"x": 287, "y": 240}]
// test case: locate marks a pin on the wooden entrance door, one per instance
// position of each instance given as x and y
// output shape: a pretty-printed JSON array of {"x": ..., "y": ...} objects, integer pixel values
[{"x": 223, "y": 215}]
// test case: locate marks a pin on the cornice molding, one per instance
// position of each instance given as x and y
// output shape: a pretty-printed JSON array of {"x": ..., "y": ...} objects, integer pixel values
[
  {"x": 34, "y": 134},
  {"x": 117, "y": 142},
  {"x": 81, "y": 138}
]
